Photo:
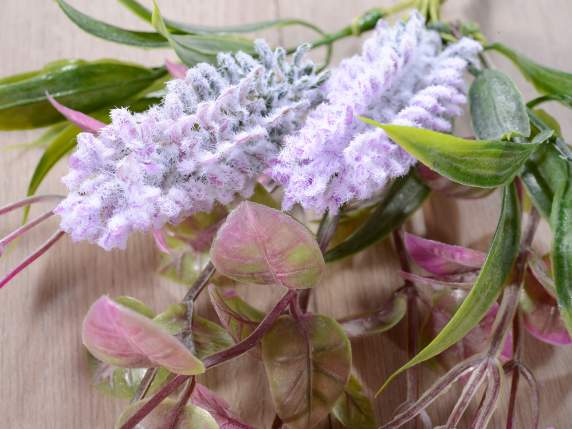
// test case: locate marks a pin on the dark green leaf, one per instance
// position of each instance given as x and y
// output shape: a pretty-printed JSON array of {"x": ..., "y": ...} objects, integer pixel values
[
  {"x": 354, "y": 409},
  {"x": 197, "y": 48},
  {"x": 480, "y": 163},
  {"x": 403, "y": 197},
  {"x": 497, "y": 107},
  {"x": 80, "y": 85},
  {"x": 308, "y": 364},
  {"x": 561, "y": 224},
  {"x": 546, "y": 80},
  {"x": 112, "y": 33},
  {"x": 489, "y": 284}
]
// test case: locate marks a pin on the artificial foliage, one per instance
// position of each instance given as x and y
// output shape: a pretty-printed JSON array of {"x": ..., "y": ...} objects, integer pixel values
[{"x": 251, "y": 164}]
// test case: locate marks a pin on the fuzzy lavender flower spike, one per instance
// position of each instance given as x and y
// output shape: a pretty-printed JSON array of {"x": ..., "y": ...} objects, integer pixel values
[
  {"x": 403, "y": 76},
  {"x": 208, "y": 141}
]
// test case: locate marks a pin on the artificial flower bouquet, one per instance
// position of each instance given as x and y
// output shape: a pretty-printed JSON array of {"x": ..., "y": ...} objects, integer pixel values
[{"x": 252, "y": 164}]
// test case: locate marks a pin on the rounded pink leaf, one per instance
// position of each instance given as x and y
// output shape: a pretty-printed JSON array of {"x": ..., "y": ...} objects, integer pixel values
[
  {"x": 261, "y": 245},
  {"x": 440, "y": 258},
  {"x": 122, "y": 337}
]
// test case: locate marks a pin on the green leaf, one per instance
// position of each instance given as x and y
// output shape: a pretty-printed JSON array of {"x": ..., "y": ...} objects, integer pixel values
[
  {"x": 354, "y": 409},
  {"x": 308, "y": 364},
  {"x": 480, "y": 163},
  {"x": 135, "y": 305},
  {"x": 208, "y": 337},
  {"x": 238, "y": 317},
  {"x": 197, "y": 48},
  {"x": 79, "y": 85},
  {"x": 64, "y": 141},
  {"x": 112, "y": 33},
  {"x": 262, "y": 196},
  {"x": 486, "y": 289},
  {"x": 544, "y": 173},
  {"x": 179, "y": 27},
  {"x": 192, "y": 417},
  {"x": 561, "y": 224},
  {"x": 403, "y": 197},
  {"x": 546, "y": 80},
  {"x": 497, "y": 107}
]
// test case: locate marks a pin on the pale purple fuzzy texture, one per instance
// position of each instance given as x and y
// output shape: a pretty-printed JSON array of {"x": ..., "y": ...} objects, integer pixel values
[
  {"x": 403, "y": 76},
  {"x": 208, "y": 141}
]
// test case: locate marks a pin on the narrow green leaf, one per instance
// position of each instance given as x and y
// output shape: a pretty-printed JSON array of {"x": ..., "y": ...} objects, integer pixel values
[
  {"x": 308, "y": 363},
  {"x": 112, "y": 33},
  {"x": 497, "y": 107},
  {"x": 179, "y": 27},
  {"x": 402, "y": 199},
  {"x": 489, "y": 284},
  {"x": 561, "y": 224},
  {"x": 546, "y": 80},
  {"x": 480, "y": 163},
  {"x": 197, "y": 48},
  {"x": 354, "y": 409},
  {"x": 79, "y": 85}
]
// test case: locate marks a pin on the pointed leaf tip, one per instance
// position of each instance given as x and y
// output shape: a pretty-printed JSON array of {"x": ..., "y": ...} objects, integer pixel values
[
  {"x": 122, "y": 337},
  {"x": 83, "y": 121}
]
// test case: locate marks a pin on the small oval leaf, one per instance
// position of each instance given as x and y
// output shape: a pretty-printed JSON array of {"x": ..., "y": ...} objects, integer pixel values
[
  {"x": 192, "y": 417},
  {"x": 308, "y": 363},
  {"x": 261, "y": 245},
  {"x": 497, "y": 107},
  {"x": 120, "y": 336},
  {"x": 481, "y": 163}
]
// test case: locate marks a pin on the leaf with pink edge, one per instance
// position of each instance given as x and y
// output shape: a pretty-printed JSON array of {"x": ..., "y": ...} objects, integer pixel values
[
  {"x": 237, "y": 316},
  {"x": 120, "y": 336},
  {"x": 176, "y": 70},
  {"x": 308, "y": 364},
  {"x": 192, "y": 417},
  {"x": 217, "y": 407},
  {"x": 541, "y": 316},
  {"x": 260, "y": 245},
  {"x": 440, "y": 258}
]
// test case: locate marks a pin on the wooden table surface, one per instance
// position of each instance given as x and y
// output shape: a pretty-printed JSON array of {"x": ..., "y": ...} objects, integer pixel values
[{"x": 43, "y": 374}]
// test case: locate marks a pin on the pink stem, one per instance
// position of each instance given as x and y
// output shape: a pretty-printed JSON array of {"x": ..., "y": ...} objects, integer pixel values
[
  {"x": 39, "y": 252},
  {"x": 28, "y": 201},
  {"x": 477, "y": 378},
  {"x": 179, "y": 409},
  {"x": 23, "y": 229},
  {"x": 155, "y": 400},
  {"x": 254, "y": 337}
]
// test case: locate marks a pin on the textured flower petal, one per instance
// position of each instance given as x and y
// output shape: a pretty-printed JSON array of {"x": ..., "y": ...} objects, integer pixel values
[{"x": 122, "y": 337}]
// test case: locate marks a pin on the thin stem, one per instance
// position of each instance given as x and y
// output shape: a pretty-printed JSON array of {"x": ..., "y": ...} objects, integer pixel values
[
  {"x": 475, "y": 381},
  {"x": 412, "y": 316},
  {"x": 23, "y": 229},
  {"x": 28, "y": 201},
  {"x": 256, "y": 335},
  {"x": 325, "y": 233},
  {"x": 515, "y": 374},
  {"x": 488, "y": 405},
  {"x": 177, "y": 412},
  {"x": 155, "y": 400},
  {"x": 37, "y": 253},
  {"x": 145, "y": 384}
]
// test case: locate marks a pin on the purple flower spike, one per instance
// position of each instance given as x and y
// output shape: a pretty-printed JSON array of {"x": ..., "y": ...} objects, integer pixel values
[
  {"x": 208, "y": 141},
  {"x": 403, "y": 76}
]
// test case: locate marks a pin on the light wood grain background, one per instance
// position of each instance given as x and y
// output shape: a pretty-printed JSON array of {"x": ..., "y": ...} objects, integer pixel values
[{"x": 43, "y": 374}]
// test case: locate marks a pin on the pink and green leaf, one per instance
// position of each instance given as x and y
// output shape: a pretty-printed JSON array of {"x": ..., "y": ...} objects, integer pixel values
[
  {"x": 120, "y": 336},
  {"x": 260, "y": 245},
  {"x": 217, "y": 407}
]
